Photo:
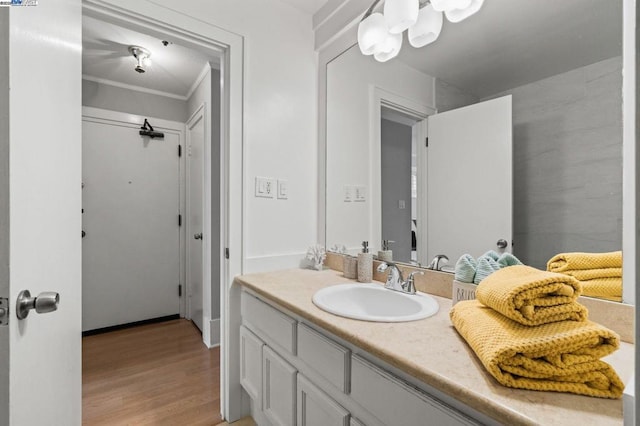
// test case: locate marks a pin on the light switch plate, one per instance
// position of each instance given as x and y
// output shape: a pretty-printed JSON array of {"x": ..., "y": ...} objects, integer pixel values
[
  {"x": 265, "y": 187},
  {"x": 283, "y": 189},
  {"x": 348, "y": 193}
]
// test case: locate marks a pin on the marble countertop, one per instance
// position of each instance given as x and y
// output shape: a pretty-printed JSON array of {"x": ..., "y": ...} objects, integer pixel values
[{"x": 432, "y": 351}]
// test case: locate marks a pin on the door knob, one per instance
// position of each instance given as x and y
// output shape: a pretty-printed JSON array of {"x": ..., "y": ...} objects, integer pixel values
[
  {"x": 502, "y": 243},
  {"x": 47, "y": 301},
  {"x": 197, "y": 236}
]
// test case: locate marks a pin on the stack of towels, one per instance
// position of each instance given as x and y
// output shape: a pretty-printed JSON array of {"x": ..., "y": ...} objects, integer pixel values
[
  {"x": 470, "y": 270},
  {"x": 530, "y": 333},
  {"x": 599, "y": 273}
]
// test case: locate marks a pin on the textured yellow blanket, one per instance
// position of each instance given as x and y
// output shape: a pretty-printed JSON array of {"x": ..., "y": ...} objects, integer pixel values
[
  {"x": 531, "y": 296},
  {"x": 579, "y": 261},
  {"x": 561, "y": 356}
]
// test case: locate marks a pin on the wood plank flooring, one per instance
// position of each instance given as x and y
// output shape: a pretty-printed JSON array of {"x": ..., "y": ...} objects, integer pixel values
[{"x": 157, "y": 374}]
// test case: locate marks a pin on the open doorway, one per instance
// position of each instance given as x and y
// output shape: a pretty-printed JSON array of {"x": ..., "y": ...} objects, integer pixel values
[{"x": 151, "y": 216}]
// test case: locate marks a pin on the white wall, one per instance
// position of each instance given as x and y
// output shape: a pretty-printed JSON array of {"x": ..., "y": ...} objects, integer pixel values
[
  {"x": 280, "y": 125},
  {"x": 104, "y": 96},
  {"x": 349, "y": 81},
  {"x": 567, "y": 163}
]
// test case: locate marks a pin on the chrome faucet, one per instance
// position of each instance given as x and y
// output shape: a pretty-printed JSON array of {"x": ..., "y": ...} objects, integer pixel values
[
  {"x": 435, "y": 263},
  {"x": 395, "y": 281}
]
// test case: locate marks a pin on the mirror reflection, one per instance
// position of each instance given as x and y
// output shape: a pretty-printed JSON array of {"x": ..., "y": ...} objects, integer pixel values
[{"x": 560, "y": 190}]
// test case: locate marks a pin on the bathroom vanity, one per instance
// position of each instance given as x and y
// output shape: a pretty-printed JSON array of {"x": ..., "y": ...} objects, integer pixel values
[{"x": 302, "y": 365}]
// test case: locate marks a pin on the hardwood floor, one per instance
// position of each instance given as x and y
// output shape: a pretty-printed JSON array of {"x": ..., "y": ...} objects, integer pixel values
[{"x": 158, "y": 374}]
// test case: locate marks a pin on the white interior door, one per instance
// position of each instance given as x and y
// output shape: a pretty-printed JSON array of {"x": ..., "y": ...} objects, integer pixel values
[
  {"x": 40, "y": 220},
  {"x": 470, "y": 148},
  {"x": 131, "y": 202},
  {"x": 195, "y": 213}
]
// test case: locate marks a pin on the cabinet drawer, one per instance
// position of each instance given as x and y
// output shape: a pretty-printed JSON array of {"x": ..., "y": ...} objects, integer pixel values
[
  {"x": 326, "y": 357},
  {"x": 396, "y": 403},
  {"x": 278, "y": 389},
  {"x": 268, "y": 322},
  {"x": 315, "y": 408},
  {"x": 251, "y": 364}
]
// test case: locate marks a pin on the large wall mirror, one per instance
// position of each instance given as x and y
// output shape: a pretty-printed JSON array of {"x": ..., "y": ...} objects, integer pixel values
[{"x": 549, "y": 76}]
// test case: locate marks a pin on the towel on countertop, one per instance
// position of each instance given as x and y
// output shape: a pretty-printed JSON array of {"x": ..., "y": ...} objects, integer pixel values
[
  {"x": 603, "y": 288},
  {"x": 561, "y": 356},
  {"x": 465, "y": 269},
  {"x": 487, "y": 265},
  {"x": 580, "y": 261},
  {"x": 508, "y": 259},
  {"x": 599, "y": 273},
  {"x": 531, "y": 296}
]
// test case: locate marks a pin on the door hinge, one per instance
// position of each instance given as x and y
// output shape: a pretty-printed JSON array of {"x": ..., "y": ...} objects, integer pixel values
[
  {"x": 426, "y": 141},
  {"x": 179, "y": 220},
  {"x": 179, "y": 150},
  {"x": 226, "y": 252},
  {"x": 4, "y": 311},
  {"x": 179, "y": 290}
]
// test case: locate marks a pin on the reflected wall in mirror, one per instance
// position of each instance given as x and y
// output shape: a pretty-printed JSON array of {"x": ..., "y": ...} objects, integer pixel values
[{"x": 560, "y": 63}]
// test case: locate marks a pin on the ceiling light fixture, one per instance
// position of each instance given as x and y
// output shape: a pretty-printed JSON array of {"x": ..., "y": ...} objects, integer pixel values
[
  {"x": 380, "y": 34},
  {"x": 142, "y": 56}
]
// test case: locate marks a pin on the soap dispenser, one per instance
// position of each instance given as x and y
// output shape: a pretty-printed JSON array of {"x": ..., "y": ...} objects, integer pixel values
[
  {"x": 386, "y": 254},
  {"x": 365, "y": 264}
]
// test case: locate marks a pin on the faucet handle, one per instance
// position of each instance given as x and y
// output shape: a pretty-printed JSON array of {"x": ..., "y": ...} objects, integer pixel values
[{"x": 410, "y": 286}]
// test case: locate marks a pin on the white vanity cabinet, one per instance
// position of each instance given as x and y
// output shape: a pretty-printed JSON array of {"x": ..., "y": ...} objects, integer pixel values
[
  {"x": 315, "y": 408},
  {"x": 278, "y": 389},
  {"x": 297, "y": 374}
]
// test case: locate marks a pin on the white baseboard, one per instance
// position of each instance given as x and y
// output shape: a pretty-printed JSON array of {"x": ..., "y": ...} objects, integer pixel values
[
  {"x": 211, "y": 332},
  {"x": 273, "y": 262},
  {"x": 214, "y": 333}
]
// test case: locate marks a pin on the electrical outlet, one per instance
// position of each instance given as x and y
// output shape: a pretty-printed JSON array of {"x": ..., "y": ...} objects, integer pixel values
[
  {"x": 283, "y": 189},
  {"x": 265, "y": 187},
  {"x": 401, "y": 204}
]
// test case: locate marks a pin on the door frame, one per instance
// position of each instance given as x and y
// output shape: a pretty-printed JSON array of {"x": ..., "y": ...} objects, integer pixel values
[
  {"x": 104, "y": 116},
  {"x": 378, "y": 98},
  {"x": 198, "y": 114},
  {"x": 164, "y": 22}
]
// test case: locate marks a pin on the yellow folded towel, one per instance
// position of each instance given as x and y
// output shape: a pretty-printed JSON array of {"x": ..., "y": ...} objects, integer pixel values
[
  {"x": 561, "y": 356},
  {"x": 531, "y": 296},
  {"x": 603, "y": 288},
  {"x": 579, "y": 261}
]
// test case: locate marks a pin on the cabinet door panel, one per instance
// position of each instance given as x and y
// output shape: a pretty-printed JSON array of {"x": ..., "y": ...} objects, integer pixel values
[
  {"x": 278, "y": 329},
  {"x": 315, "y": 408},
  {"x": 396, "y": 403},
  {"x": 251, "y": 364},
  {"x": 278, "y": 389},
  {"x": 327, "y": 358}
]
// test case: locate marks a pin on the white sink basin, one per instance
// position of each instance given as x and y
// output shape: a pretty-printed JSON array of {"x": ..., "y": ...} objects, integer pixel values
[{"x": 373, "y": 302}]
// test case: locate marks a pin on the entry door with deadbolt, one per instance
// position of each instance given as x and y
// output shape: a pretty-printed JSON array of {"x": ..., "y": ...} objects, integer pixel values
[{"x": 131, "y": 200}]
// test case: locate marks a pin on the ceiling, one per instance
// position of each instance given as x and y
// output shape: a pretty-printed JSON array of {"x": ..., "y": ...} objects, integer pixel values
[
  {"x": 309, "y": 6},
  {"x": 509, "y": 43},
  {"x": 105, "y": 58}
]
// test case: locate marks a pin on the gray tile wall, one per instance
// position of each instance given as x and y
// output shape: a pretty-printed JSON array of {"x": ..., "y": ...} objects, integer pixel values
[{"x": 567, "y": 162}]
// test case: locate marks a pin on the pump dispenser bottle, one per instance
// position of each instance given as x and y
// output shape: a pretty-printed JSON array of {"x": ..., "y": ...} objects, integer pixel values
[
  {"x": 365, "y": 264},
  {"x": 386, "y": 254}
]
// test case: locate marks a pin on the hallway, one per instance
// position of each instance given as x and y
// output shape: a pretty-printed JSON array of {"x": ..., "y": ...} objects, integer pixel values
[{"x": 157, "y": 374}]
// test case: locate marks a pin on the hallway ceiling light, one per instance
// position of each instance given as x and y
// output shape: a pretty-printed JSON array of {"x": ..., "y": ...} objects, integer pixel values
[
  {"x": 380, "y": 34},
  {"x": 142, "y": 58}
]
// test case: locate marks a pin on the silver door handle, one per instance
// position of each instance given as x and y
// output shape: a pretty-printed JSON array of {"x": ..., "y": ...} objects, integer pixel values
[
  {"x": 47, "y": 301},
  {"x": 502, "y": 243},
  {"x": 197, "y": 236}
]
